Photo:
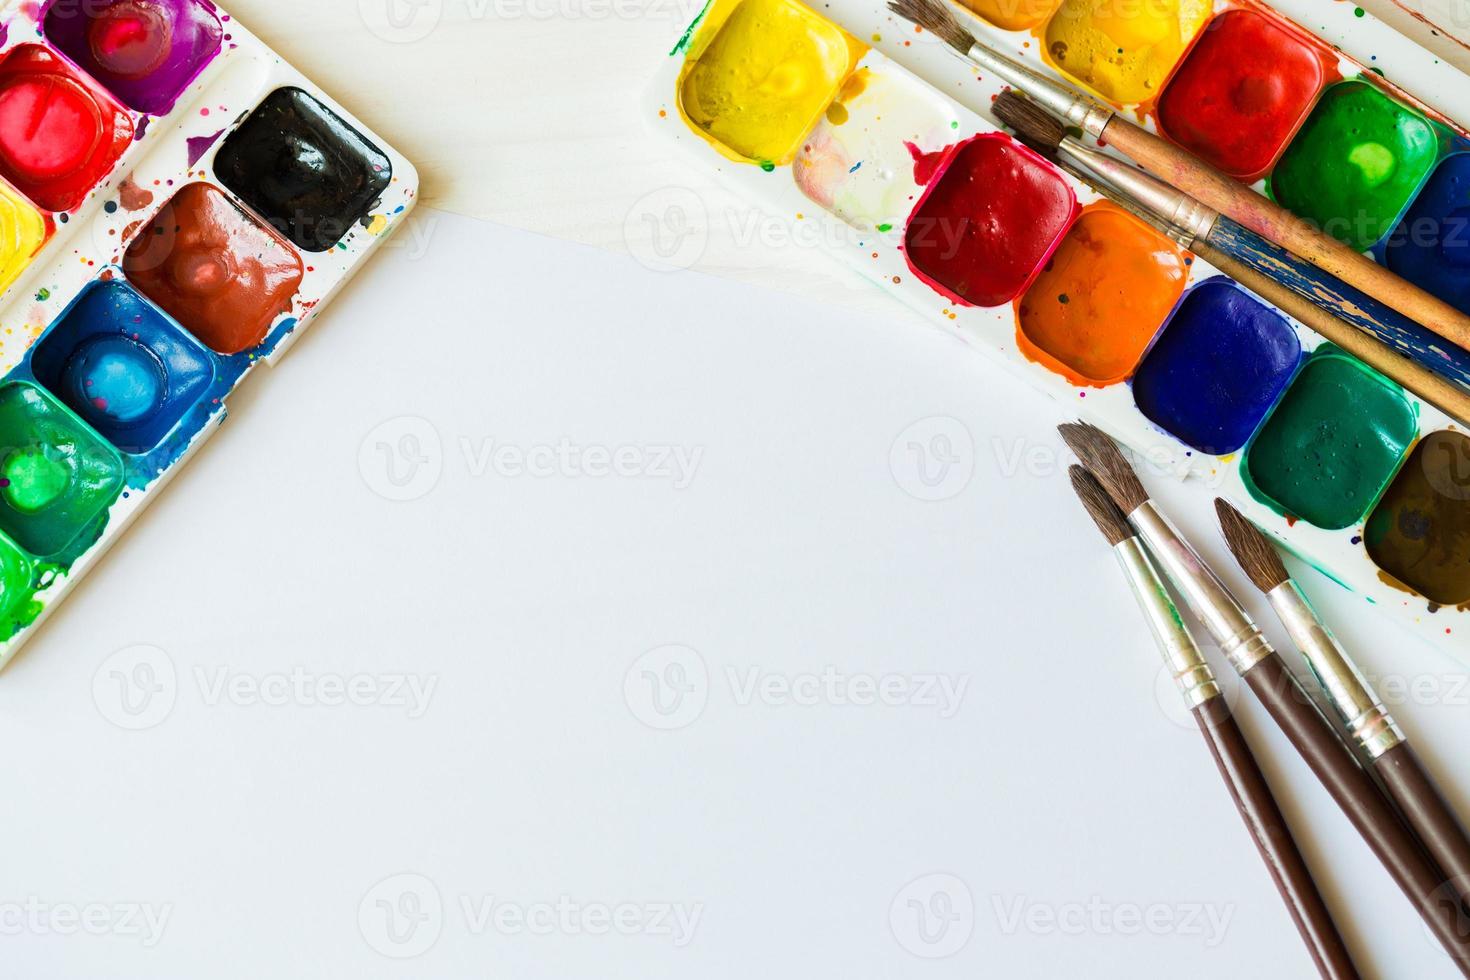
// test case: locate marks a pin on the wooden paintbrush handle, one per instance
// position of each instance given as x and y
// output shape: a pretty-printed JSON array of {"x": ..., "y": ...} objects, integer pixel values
[
  {"x": 1268, "y": 827},
  {"x": 1448, "y": 397},
  {"x": 1425, "y": 808},
  {"x": 1359, "y": 798},
  {"x": 1273, "y": 222}
]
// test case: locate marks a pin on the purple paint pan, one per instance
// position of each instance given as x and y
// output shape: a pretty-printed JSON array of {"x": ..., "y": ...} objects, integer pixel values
[{"x": 146, "y": 52}]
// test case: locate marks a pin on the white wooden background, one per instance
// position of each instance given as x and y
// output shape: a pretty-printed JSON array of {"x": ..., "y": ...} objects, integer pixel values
[{"x": 525, "y": 112}]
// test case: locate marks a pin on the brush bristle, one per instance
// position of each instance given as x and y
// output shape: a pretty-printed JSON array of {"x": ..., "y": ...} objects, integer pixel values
[
  {"x": 1109, "y": 519},
  {"x": 1258, "y": 558},
  {"x": 1034, "y": 126},
  {"x": 934, "y": 17},
  {"x": 1100, "y": 454}
]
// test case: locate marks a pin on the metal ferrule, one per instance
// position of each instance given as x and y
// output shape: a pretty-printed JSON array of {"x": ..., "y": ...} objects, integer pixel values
[
  {"x": 1354, "y": 702},
  {"x": 1192, "y": 219},
  {"x": 1087, "y": 114},
  {"x": 1192, "y": 675},
  {"x": 1239, "y": 639}
]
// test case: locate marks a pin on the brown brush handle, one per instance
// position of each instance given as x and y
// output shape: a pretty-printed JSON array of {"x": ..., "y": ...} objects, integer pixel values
[
  {"x": 1273, "y": 222},
  {"x": 1434, "y": 389},
  {"x": 1425, "y": 808},
  {"x": 1359, "y": 798},
  {"x": 1268, "y": 827}
]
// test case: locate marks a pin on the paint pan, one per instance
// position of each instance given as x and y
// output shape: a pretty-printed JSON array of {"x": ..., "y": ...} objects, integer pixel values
[
  {"x": 57, "y": 476},
  {"x": 1419, "y": 533},
  {"x": 216, "y": 269},
  {"x": 992, "y": 215},
  {"x": 1220, "y": 385},
  {"x": 1431, "y": 246},
  {"x": 61, "y": 133},
  {"x": 1357, "y": 162},
  {"x": 177, "y": 206},
  {"x": 146, "y": 52},
  {"x": 1123, "y": 51},
  {"x": 770, "y": 70},
  {"x": 123, "y": 366},
  {"x": 1102, "y": 297},
  {"x": 1220, "y": 364},
  {"x": 1332, "y": 444},
  {"x": 1242, "y": 92}
]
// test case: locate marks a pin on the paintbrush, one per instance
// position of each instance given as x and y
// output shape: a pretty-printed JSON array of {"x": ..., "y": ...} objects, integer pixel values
[
  {"x": 1258, "y": 664},
  {"x": 1367, "y": 723},
  {"x": 1202, "y": 695},
  {"x": 1192, "y": 175},
  {"x": 1235, "y": 251}
]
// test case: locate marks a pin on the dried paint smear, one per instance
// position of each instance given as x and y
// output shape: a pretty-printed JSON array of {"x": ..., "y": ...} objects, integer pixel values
[{"x": 858, "y": 162}]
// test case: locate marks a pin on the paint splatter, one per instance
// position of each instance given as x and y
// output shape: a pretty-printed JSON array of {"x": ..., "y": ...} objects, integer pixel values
[
  {"x": 199, "y": 145},
  {"x": 132, "y": 197}
]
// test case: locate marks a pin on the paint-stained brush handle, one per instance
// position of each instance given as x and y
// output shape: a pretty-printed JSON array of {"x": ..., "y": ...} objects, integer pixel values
[
  {"x": 1278, "y": 849},
  {"x": 1445, "y": 395},
  {"x": 1358, "y": 309},
  {"x": 1424, "y": 806},
  {"x": 1364, "y": 805},
  {"x": 1273, "y": 222}
]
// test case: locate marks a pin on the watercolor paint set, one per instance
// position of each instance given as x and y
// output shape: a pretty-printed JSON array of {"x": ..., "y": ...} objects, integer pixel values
[
  {"x": 919, "y": 189},
  {"x": 176, "y": 204}
]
